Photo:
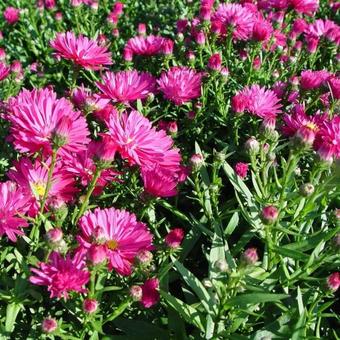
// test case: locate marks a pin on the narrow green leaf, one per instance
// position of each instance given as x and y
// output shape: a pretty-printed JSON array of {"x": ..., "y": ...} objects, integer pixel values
[
  {"x": 253, "y": 298},
  {"x": 12, "y": 312}
]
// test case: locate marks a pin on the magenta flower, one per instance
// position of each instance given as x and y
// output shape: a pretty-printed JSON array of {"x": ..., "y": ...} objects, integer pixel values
[
  {"x": 32, "y": 179},
  {"x": 39, "y": 119},
  {"x": 159, "y": 183},
  {"x": 313, "y": 79},
  {"x": 12, "y": 203},
  {"x": 257, "y": 101},
  {"x": 121, "y": 234},
  {"x": 334, "y": 84},
  {"x": 83, "y": 99},
  {"x": 4, "y": 71},
  {"x": 262, "y": 30},
  {"x": 140, "y": 143},
  {"x": 327, "y": 142},
  {"x": 146, "y": 46},
  {"x": 127, "y": 86},
  {"x": 180, "y": 84},
  {"x": 11, "y": 15},
  {"x": 237, "y": 17},
  {"x": 150, "y": 294},
  {"x": 174, "y": 238},
  {"x": 333, "y": 281},
  {"x": 61, "y": 275},
  {"x": 305, "y": 6},
  {"x": 81, "y": 51},
  {"x": 241, "y": 169}
]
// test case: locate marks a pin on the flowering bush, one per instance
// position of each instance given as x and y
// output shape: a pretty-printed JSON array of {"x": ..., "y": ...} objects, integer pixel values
[{"x": 169, "y": 170}]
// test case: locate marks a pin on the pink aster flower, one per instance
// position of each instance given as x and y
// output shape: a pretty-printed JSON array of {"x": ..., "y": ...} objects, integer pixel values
[
  {"x": 61, "y": 275},
  {"x": 140, "y": 143},
  {"x": 159, "y": 183},
  {"x": 146, "y": 45},
  {"x": 4, "y": 71},
  {"x": 81, "y": 165},
  {"x": 11, "y": 15},
  {"x": 240, "y": 19},
  {"x": 174, "y": 238},
  {"x": 313, "y": 79},
  {"x": 32, "y": 179},
  {"x": 127, "y": 86},
  {"x": 13, "y": 202},
  {"x": 305, "y": 6},
  {"x": 327, "y": 142},
  {"x": 81, "y": 51},
  {"x": 262, "y": 30},
  {"x": 121, "y": 234},
  {"x": 257, "y": 101},
  {"x": 38, "y": 118},
  {"x": 150, "y": 294},
  {"x": 241, "y": 169},
  {"x": 180, "y": 84}
]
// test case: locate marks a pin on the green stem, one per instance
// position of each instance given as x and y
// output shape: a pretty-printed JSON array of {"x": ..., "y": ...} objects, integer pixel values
[
  {"x": 89, "y": 193},
  {"x": 49, "y": 180}
]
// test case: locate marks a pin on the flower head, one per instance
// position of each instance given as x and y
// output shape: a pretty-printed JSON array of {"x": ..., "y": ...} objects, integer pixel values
[
  {"x": 146, "y": 45},
  {"x": 39, "y": 119},
  {"x": 81, "y": 51},
  {"x": 4, "y": 71},
  {"x": 313, "y": 79},
  {"x": 333, "y": 281},
  {"x": 180, "y": 84},
  {"x": 174, "y": 238},
  {"x": 61, "y": 275},
  {"x": 120, "y": 233},
  {"x": 127, "y": 86},
  {"x": 241, "y": 169},
  {"x": 257, "y": 101},
  {"x": 11, "y": 15},
  {"x": 13, "y": 202},
  {"x": 90, "y": 306},
  {"x": 305, "y": 6},
  {"x": 49, "y": 325},
  {"x": 235, "y": 17},
  {"x": 150, "y": 294}
]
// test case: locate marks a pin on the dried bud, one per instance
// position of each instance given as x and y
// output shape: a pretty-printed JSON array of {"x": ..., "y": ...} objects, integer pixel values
[
  {"x": 221, "y": 265},
  {"x": 306, "y": 189}
]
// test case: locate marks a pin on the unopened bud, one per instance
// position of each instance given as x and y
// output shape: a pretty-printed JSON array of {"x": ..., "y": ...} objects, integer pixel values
[
  {"x": 307, "y": 189},
  {"x": 136, "y": 293}
]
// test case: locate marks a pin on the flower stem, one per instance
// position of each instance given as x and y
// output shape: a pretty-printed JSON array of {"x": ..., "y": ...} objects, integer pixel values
[{"x": 89, "y": 193}]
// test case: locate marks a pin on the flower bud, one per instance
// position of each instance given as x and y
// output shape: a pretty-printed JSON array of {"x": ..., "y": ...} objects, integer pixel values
[
  {"x": 90, "y": 306},
  {"x": 306, "y": 189},
  {"x": 241, "y": 169},
  {"x": 174, "y": 238},
  {"x": 215, "y": 62},
  {"x": 250, "y": 256},
  {"x": 221, "y": 265},
  {"x": 127, "y": 54},
  {"x": 196, "y": 161},
  {"x": 144, "y": 257},
  {"x": 141, "y": 29},
  {"x": 269, "y": 214},
  {"x": 49, "y": 325},
  {"x": 54, "y": 236},
  {"x": 96, "y": 254},
  {"x": 136, "y": 293},
  {"x": 333, "y": 281},
  {"x": 252, "y": 145},
  {"x": 200, "y": 38}
]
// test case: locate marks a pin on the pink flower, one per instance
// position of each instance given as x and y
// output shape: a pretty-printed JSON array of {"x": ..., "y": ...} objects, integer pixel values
[
  {"x": 38, "y": 118},
  {"x": 270, "y": 214},
  {"x": 159, "y": 183},
  {"x": 333, "y": 281},
  {"x": 174, "y": 238},
  {"x": 127, "y": 86},
  {"x": 305, "y": 6},
  {"x": 82, "y": 166},
  {"x": 90, "y": 306},
  {"x": 334, "y": 84},
  {"x": 11, "y": 15},
  {"x": 215, "y": 62},
  {"x": 327, "y": 142},
  {"x": 121, "y": 234},
  {"x": 32, "y": 179},
  {"x": 140, "y": 143},
  {"x": 262, "y": 30},
  {"x": 49, "y": 325},
  {"x": 150, "y": 294},
  {"x": 146, "y": 45},
  {"x": 257, "y": 101},
  {"x": 12, "y": 203},
  {"x": 313, "y": 79},
  {"x": 81, "y": 51},
  {"x": 61, "y": 275},
  {"x": 250, "y": 256},
  {"x": 241, "y": 169},
  {"x": 180, "y": 84},
  {"x": 240, "y": 19},
  {"x": 304, "y": 127},
  {"x": 4, "y": 71}
]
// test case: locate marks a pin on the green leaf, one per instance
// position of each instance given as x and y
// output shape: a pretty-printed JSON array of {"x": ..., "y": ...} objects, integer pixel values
[
  {"x": 253, "y": 298},
  {"x": 12, "y": 312},
  {"x": 294, "y": 254},
  {"x": 232, "y": 224},
  {"x": 188, "y": 313}
]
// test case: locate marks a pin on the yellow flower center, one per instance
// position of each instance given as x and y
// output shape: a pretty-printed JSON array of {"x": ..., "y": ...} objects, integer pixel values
[
  {"x": 312, "y": 126},
  {"x": 38, "y": 189},
  {"x": 112, "y": 244}
]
